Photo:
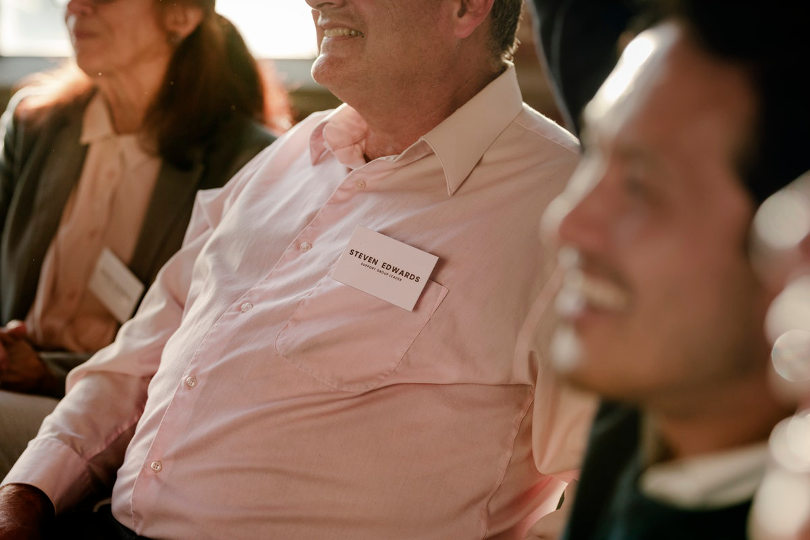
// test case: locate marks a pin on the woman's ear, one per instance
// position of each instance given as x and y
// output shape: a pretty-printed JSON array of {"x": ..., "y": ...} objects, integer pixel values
[{"x": 181, "y": 19}]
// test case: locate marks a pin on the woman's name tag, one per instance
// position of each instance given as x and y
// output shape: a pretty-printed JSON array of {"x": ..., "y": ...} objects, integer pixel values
[{"x": 115, "y": 286}]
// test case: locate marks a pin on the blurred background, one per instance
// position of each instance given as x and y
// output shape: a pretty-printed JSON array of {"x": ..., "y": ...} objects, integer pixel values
[{"x": 33, "y": 38}]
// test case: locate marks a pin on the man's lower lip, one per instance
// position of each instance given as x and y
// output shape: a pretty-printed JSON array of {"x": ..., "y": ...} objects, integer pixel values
[
  {"x": 585, "y": 316},
  {"x": 575, "y": 307}
]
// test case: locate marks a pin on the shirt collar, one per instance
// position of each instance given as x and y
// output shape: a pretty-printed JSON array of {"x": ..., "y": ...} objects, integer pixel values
[
  {"x": 342, "y": 133},
  {"x": 458, "y": 141},
  {"x": 97, "y": 126},
  {"x": 712, "y": 480}
]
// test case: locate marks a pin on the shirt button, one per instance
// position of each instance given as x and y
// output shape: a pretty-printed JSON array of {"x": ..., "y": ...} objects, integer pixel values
[
  {"x": 190, "y": 381},
  {"x": 304, "y": 246},
  {"x": 156, "y": 466},
  {"x": 247, "y": 306},
  {"x": 360, "y": 184}
]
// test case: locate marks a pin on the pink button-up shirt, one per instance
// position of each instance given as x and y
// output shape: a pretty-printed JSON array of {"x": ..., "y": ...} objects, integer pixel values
[{"x": 270, "y": 401}]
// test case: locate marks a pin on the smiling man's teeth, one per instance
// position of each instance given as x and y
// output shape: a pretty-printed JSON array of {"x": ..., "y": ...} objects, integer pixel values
[
  {"x": 580, "y": 290},
  {"x": 342, "y": 32}
]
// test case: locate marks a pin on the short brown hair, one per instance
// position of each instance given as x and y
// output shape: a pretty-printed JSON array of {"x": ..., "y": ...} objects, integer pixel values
[{"x": 505, "y": 19}]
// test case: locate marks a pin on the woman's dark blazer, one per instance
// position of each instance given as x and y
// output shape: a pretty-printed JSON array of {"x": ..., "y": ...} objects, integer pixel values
[{"x": 41, "y": 163}]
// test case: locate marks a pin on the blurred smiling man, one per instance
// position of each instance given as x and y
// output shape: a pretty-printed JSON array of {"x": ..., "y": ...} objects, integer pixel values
[{"x": 662, "y": 309}]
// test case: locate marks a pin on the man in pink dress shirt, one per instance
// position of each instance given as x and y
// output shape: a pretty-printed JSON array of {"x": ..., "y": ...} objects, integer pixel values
[{"x": 262, "y": 391}]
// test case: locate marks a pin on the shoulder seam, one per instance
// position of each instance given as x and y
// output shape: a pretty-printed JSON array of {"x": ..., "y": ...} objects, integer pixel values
[{"x": 571, "y": 145}]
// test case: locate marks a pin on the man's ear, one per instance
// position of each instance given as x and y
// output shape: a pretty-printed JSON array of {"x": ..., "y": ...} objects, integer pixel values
[
  {"x": 181, "y": 19},
  {"x": 469, "y": 15}
]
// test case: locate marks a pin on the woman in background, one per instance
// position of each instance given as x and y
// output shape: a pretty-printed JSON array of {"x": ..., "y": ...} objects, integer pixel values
[{"x": 99, "y": 167}]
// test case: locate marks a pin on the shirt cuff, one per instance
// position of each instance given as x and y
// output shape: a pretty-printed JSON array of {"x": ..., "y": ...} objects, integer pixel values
[{"x": 53, "y": 467}]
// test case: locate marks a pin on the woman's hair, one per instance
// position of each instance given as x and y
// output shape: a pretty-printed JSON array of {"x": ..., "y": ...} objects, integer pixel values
[{"x": 210, "y": 77}]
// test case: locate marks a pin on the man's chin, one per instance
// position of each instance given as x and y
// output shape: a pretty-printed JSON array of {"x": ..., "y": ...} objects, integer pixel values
[
  {"x": 581, "y": 367},
  {"x": 566, "y": 351},
  {"x": 571, "y": 359}
]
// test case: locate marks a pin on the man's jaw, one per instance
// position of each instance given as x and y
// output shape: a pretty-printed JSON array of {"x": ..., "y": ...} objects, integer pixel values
[{"x": 589, "y": 289}]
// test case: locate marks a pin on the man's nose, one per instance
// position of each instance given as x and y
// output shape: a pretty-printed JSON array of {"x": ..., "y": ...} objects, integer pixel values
[
  {"x": 579, "y": 216},
  {"x": 79, "y": 7},
  {"x": 323, "y": 4}
]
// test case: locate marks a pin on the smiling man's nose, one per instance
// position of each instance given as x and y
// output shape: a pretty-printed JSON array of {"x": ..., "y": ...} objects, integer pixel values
[
  {"x": 79, "y": 7},
  {"x": 321, "y": 4}
]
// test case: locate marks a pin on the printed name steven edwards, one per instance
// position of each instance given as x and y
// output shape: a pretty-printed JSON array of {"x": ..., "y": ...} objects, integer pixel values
[{"x": 384, "y": 268}]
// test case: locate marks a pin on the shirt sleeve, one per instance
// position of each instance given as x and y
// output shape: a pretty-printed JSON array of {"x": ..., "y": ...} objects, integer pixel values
[
  {"x": 561, "y": 415},
  {"x": 82, "y": 443},
  {"x": 551, "y": 525}
]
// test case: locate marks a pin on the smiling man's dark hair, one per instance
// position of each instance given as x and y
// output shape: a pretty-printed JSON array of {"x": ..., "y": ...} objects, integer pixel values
[{"x": 771, "y": 44}]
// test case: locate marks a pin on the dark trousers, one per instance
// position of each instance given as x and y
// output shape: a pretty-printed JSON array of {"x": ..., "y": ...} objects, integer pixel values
[{"x": 92, "y": 525}]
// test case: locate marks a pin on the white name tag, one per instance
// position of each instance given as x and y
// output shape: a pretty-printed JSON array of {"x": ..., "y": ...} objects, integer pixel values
[
  {"x": 384, "y": 267},
  {"x": 115, "y": 286}
]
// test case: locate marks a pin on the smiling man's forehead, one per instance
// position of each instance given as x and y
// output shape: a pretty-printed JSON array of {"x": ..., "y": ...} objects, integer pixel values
[
  {"x": 667, "y": 93},
  {"x": 638, "y": 63}
]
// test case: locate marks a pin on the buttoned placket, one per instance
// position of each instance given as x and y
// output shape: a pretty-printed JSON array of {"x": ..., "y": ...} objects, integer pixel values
[
  {"x": 353, "y": 184},
  {"x": 356, "y": 183}
]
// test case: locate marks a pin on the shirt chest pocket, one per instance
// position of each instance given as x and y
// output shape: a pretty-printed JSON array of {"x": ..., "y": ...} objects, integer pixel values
[{"x": 351, "y": 340}]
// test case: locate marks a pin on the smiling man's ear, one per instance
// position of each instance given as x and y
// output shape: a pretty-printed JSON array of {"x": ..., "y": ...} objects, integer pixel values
[
  {"x": 180, "y": 19},
  {"x": 469, "y": 16}
]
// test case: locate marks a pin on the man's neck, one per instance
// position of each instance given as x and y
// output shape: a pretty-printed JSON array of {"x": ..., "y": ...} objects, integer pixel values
[
  {"x": 737, "y": 415},
  {"x": 392, "y": 129}
]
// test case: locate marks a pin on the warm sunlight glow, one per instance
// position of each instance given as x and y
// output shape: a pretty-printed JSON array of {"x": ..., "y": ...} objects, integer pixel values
[{"x": 272, "y": 28}]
